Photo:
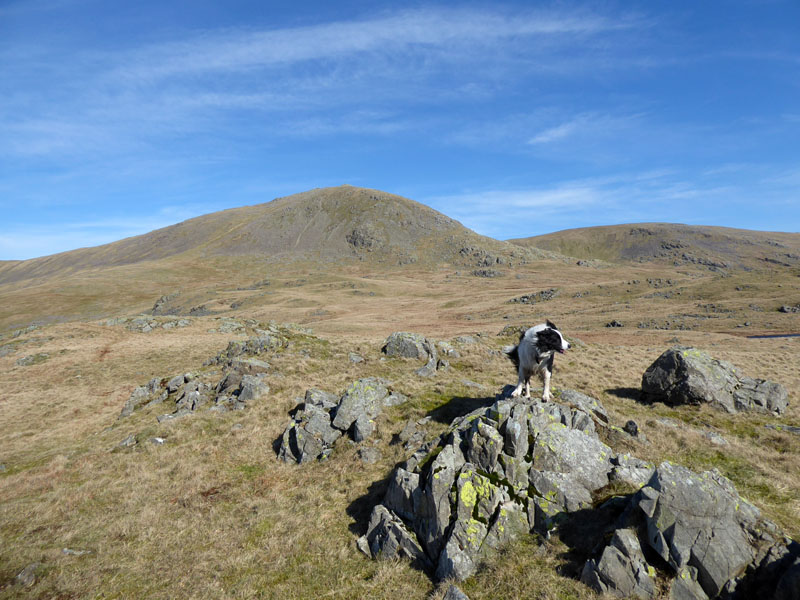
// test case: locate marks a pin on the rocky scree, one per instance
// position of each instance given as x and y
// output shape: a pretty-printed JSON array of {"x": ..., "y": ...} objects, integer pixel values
[{"x": 242, "y": 382}]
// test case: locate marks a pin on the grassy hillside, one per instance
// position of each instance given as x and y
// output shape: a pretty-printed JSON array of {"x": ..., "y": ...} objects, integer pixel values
[
  {"x": 338, "y": 229},
  {"x": 332, "y": 224},
  {"x": 678, "y": 245}
]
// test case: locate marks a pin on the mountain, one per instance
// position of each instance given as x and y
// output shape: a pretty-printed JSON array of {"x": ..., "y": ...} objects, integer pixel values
[
  {"x": 716, "y": 248},
  {"x": 343, "y": 223},
  {"x": 322, "y": 230}
]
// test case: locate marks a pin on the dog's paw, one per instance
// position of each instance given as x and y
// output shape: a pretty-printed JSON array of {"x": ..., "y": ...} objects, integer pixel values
[
  {"x": 547, "y": 397},
  {"x": 516, "y": 393}
]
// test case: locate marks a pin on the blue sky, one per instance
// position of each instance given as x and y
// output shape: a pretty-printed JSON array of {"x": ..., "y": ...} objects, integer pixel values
[{"x": 516, "y": 118}]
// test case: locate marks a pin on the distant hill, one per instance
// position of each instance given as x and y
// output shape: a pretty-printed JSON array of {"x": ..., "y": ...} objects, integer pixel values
[
  {"x": 716, "y": 248},
  {"x": 339, "y": 224}
]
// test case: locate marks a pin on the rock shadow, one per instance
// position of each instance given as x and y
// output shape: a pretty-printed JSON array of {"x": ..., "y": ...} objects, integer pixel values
[
  {"x": 458, "y": 406},
  {"x": 586, "y": 533},
  {"x": 628, "y": 393},
  {"x": 360, "y": 509}
]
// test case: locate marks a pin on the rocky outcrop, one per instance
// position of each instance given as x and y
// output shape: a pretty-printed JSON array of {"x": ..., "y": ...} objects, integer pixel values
[
  {"x": 323, "y": 418},
  {"x": 243, "y": 381},
  {"x": 534, "y": 297},
  {"x": 515, "y": 467},
  {"x": 702, "y": 533},
  {"x": 147, "y": 323},
  {"x": 498, "y": 472},
  {"x": 154, "y": 392},
  {"x": 691, "y": 376}
]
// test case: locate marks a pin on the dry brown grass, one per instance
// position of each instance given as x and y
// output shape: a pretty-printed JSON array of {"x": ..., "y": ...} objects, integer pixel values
[{"x": 212, "y": 513}]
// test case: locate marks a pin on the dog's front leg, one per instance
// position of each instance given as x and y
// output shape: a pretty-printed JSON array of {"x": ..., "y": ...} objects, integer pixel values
[{"x": 546, "y": 395}]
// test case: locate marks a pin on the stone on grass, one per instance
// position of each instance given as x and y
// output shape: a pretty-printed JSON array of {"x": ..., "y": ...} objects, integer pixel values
[
  {"x": 323, "y": 418},
  {"x": 413, "y": 345},
  {"x": 369, "y": 455},
  {"x": 28, "y": 576},
  {"x": 691, "y": 376},
  {"x": 454, "y": 593}
]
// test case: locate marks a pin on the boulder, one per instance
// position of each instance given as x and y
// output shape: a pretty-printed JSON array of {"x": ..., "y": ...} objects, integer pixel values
[
  {"x": 252, "y": 388},
  {"x": 406, "y": 345},
  {"x": 413, "y": 345},
  {"x": 360, "y": 404},
  {"x": 691, "y": 376}
]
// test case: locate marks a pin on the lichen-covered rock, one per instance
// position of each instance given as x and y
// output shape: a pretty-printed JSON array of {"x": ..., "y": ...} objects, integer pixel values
[
  {"x": 251, "y": 388},
  {"x": 403, "y": 344},
  {"x": 361, "y": 402},
  {"x": 497, "y": 473},
  {"x": 686, "y": 587},
  {"x": 760, "y": 396},
  {"x": 699, "y": 521},
  {"x": 691, "y": 376},
  {"x": 266, "y": 341},
  {"x": 321, "y": 398},
  {"x": 715, "y": 543},
  {"x": 194, "y": 395},
  {"x": 323, "y": 418},
  {"x": 631, "y": 470},
  {"x": 584, "y": 403},
  {"x": 388, "y": 538}
]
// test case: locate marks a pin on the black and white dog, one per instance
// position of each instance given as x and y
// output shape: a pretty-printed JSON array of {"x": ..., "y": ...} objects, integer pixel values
[{"x": 534, "y": 354}]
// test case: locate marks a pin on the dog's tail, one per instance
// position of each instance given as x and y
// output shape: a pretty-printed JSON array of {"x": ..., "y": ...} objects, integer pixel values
[{"x": 512, "y": 352}]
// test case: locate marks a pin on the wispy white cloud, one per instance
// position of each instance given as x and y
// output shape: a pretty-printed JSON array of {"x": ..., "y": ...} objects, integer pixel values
[
  {"x": 423, "y": 29},
  {"x": 105, "y": 101}
]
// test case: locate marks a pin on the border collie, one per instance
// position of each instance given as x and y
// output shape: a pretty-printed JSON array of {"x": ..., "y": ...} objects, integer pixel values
[{"x": 534, "y": 354}]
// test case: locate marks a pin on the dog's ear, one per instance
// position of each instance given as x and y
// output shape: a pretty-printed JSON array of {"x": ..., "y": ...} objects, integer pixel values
[{"x": 550, "y": 324}]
